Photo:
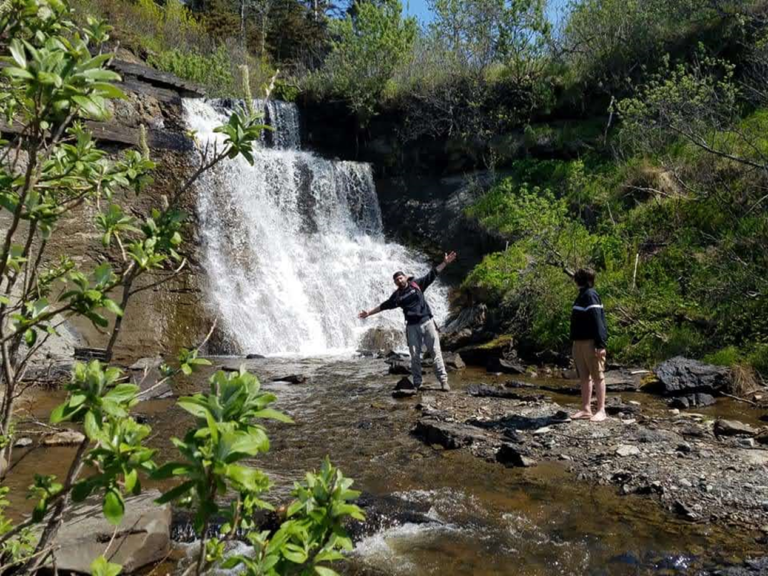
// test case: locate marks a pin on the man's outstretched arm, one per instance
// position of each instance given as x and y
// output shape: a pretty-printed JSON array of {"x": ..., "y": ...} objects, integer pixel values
[
  {"x": 364, "y": 314},
  {"x": 426, "y": 280}
]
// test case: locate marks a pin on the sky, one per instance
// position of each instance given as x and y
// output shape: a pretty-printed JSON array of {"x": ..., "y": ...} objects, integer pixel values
[{"x": 420, "y": 9}]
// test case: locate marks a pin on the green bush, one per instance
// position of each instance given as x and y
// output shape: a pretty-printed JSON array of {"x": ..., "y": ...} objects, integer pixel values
[{"x": 212, "y": 71}]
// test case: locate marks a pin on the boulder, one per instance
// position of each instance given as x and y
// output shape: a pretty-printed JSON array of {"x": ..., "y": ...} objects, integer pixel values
[
  {"x": 733, "y": 428},
  {"x": 504, "y": 366},
  {"x": 255, "y": 357},
  {"x": 142, "y": 538},
  {"x": 453, "y": 361},
  {"x": 695, "y": 400},
  {"x": 684, "y": 376},
  {"x": 380, "y": 339},
  {"x": 512, "y": 457}
]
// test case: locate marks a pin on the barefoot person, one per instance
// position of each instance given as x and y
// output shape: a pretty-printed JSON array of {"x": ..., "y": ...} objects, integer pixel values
[
  {"x": 589, "y": 335},
  {"x": 420, "y": 330}
]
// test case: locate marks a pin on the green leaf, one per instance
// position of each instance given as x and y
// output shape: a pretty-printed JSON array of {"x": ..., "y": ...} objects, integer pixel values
[
  {"x": 114, "y": 506},
  {"x": 91, "y": 427},
  {"x": 102, "y": 567},
  {"x": 131, "y": 480},
  {"x": 272, "y": 414},
  {"x": 322, "y": 571},
  {"x": 176, "y": 493},
  {"x": 18, "y": 73},
  {"x": 82, "y": 490},
  {"x": 17, "y": 51}
]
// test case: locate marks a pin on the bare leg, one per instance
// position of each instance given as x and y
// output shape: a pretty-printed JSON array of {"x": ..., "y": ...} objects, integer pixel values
[
  {"x": 586, "y": 399},
  {"x": 600, "y": 393}
]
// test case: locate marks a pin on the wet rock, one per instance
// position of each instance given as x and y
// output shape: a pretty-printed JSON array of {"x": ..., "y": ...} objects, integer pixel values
[
  {"x": 512, "y": 457},
  {"x": 405, "y": 384},
  {"x": 291, "y": 379},
  {"x": 681, "y": 508},
  {"x": 518, "y": 384},
  {"x": 465, "y": 327},
  {"x": 485, "y": 391},
  {"x": 142, "y": 538},
  {"x": 762, "y": 438},
  {"x": 615, "y": 405},
  {"x": 696, "y": 400},
  {"x": 504, "y": 366},
  {"x": 399, "y": 367},
  {"x": 683, "y": 376},
  {"x": 63, "y": 438},
  {"x": 450, "y": 435},
  {"x": 627, "y": 450},
  {"x": 733, "y": 428},
  {"x": 384, "y": 512},
  {"x": 453, "y": 361},
  {"x": 400, "y": 394},
  {"x": 255, "y": 357}
]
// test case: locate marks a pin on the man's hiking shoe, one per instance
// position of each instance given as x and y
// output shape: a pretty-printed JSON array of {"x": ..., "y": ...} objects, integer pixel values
[{"x": 445, "y": 387}]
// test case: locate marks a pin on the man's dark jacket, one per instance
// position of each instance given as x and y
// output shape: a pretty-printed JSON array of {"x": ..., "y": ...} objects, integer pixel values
[
  {"x": 588, "y": 318},
  {"x": 411, "y": 299}
]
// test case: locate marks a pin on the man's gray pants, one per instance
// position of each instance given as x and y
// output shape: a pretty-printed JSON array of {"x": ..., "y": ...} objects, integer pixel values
[{"x": 420, "y": 336}]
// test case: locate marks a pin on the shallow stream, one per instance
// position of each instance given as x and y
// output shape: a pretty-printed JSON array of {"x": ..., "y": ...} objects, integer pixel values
[{"x": 487, "y": 520}]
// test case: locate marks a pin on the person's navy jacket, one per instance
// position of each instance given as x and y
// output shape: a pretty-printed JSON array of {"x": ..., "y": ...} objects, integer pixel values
[
  {"x": 588, "y": 318},
  {"x": 411, "y": 299}
]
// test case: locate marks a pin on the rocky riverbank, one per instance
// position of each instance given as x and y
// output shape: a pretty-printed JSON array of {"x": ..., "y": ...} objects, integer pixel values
[{"x": 702, "y": 469}]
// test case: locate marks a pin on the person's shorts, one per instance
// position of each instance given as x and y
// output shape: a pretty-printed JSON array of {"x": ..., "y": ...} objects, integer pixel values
[{"x": 586, "y": 361}]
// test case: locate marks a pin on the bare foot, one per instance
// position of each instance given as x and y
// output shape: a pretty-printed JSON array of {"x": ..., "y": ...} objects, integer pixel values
[
  {"x": 598, "y": 417},
  {"x": 582, "y": 415}
]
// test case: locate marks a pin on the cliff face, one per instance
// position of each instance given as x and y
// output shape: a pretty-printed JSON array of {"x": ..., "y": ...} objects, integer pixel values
[{"x": 162, "y": 318}]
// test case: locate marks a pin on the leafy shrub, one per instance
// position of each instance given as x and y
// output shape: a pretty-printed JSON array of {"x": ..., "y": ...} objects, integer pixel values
[{"x": 213, "y": 71}]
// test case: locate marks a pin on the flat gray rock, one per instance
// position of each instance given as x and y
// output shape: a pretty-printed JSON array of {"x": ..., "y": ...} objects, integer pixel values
[{"x": 143, "y": 536}]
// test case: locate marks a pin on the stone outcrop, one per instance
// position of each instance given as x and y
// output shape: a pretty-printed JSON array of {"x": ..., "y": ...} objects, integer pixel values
[
  {"x": 680, "y": 376},
  {"x": 142, "y": 538}
]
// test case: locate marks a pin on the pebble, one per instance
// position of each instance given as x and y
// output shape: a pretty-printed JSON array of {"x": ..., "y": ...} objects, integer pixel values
[
  {"x": 685, "y": 482},
  {"x": 23, "y": 443},
  {"x": 541, "y": 431},
  {"x": 627, "y": 450},
  {"x": 675, "y": 412},
  {"x": 635, "y": 403}
]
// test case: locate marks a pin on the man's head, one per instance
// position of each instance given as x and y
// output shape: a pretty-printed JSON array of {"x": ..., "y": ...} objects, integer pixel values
[
  {"x": 401, "y": 280},
  {"x": 584, "y": 278}
]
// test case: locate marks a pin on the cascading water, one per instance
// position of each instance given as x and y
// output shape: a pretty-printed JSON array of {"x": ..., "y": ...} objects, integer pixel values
[{"x": 293, "y": 245}]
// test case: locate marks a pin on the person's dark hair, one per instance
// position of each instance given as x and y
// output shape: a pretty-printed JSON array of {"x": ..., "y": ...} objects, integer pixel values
[
  {"x": 396, "y": 274},
  {"x": 585, "y": 277}
]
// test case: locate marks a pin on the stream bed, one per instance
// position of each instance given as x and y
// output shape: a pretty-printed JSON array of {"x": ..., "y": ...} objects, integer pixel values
[{"x": 483, "y": 519}]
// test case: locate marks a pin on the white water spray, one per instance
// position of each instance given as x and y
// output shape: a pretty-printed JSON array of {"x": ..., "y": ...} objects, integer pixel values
[{"x": 293, "y": 246}]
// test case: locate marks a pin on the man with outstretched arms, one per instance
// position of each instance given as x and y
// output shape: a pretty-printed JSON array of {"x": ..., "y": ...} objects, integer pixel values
[{"x": 421, "y": 330}]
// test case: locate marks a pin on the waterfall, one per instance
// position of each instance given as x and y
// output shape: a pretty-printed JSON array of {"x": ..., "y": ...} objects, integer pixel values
[{"x": 293, "y": 246}]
